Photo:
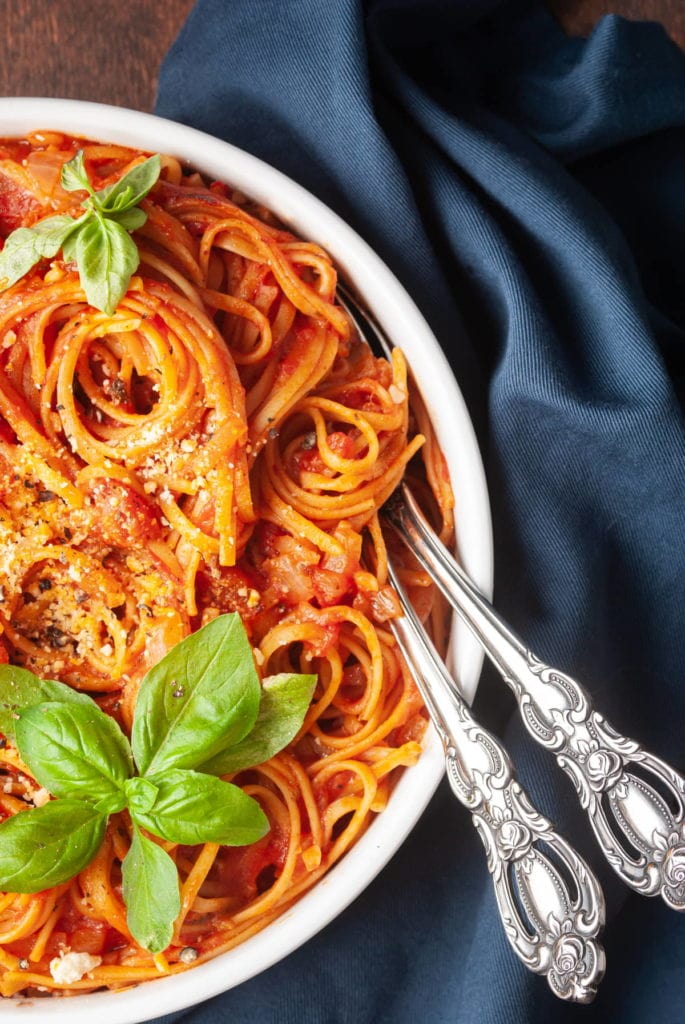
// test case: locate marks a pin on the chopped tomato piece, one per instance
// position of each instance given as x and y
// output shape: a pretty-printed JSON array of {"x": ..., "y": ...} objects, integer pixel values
[
  {"x": 16, "y": 206},
  {"x": 330, "y": 587},
  {"x": 342, "y": 444}
]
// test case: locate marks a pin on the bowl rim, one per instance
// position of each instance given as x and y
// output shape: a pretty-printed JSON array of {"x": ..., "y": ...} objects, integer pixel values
[{"x": 396, "y": 311}]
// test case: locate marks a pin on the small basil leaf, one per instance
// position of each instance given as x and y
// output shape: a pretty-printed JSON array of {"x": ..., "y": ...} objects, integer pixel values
[
  {"x": 140, "y": 793},
  {"x": 20, "y": 689},
  {"x": 130, "y": 189},
  {"x": 74, "y": 177},
  {"x": 203, "y": 695},
  {"x": 74, "y": 750},
  {"x": 194, "y": 808},
  {"x": 284, "y": 703},
  {"x": 48, "y": 845},
  {"x": 151, "y": 893},
  {"x": 116, "y": 801},
  {"x": 26, "y": 246},
  {"x": 129, "y": 219},
  {"x": 106, "y": 256}
]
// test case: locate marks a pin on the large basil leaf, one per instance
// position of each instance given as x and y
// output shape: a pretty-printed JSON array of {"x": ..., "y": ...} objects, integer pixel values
[
  {"x": 202, "y": 695},
  {"x": 191, "y": 808},
  {"x": 20, "y": 689},
  {"x": 48, "y": 845},
  {"x": 106, "y": 256},
  {"x": 284, "y": 703},
  {"x": 74, "y": 750},
  {"x": 151, "y": 893}
]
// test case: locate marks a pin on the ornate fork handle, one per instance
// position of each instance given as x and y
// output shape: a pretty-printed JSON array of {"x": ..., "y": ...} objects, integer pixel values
[
  {"x": 634, "y": 800},
  {"x": 551, "y": 905}
]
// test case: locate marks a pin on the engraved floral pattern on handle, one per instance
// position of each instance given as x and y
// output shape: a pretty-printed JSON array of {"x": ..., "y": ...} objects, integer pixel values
[
  {"x": 670, "y": 856},
  {"x": 573, "y": 957},
  {"x": 603, "y": 767}
]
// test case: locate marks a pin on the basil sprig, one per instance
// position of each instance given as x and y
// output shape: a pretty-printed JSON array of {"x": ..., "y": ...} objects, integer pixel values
[
  {"x": 98, "y": 241},
  {"x": 201, "y": 713}
]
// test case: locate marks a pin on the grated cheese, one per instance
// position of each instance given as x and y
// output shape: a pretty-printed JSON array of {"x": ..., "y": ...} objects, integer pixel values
[{"x": 71, "y": 967}]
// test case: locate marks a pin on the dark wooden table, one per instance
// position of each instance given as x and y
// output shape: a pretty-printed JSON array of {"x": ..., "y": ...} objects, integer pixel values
[{"x": 111, "y": 52}]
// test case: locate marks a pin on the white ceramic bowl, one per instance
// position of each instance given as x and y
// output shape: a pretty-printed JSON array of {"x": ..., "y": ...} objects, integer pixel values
[{"x": 310, "y": 219}]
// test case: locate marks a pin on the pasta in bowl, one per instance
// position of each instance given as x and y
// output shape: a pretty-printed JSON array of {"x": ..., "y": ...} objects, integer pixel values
[{"x": 208, "y": 436}]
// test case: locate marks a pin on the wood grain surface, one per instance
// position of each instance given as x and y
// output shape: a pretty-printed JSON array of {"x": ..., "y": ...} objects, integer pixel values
[
  {"x": 580, "y": 16},
  {"x": 87, "y": 49},
  {"x": 111, "y": 52}
]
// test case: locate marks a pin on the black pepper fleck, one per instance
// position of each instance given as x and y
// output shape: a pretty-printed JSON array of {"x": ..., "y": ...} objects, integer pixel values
[{"x": 56, "y": 636}]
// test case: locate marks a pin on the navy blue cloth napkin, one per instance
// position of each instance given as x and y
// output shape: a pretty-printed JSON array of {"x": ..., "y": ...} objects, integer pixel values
[{"x": 532, "y": 186}]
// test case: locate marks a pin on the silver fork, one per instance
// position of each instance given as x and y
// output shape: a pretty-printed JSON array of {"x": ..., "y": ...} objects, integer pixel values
[{"x": 634, "y": 800}]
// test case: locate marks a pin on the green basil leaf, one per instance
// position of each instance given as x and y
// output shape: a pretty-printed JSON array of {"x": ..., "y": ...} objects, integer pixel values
[
  {"x": 193, "y": 808},
  {"x": 48, "y": 845},
  {"x": 26, "y": 246},
  {"x": 112, "y": 803},
  {"x": 106, "y": 256},
  {"x": 74, "y": 750},
  {"x": 129, "y": 219},
  {"x": 130, "y": 189},
  {"x": 74, "y": 177},
  {"x": 285, "y": 700},
  {"x": 203, "y": 695},
  {"x": 151, "y": 893},
  {"x": 20, "y": 689},
  {"x": 69, "y": 243}
]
